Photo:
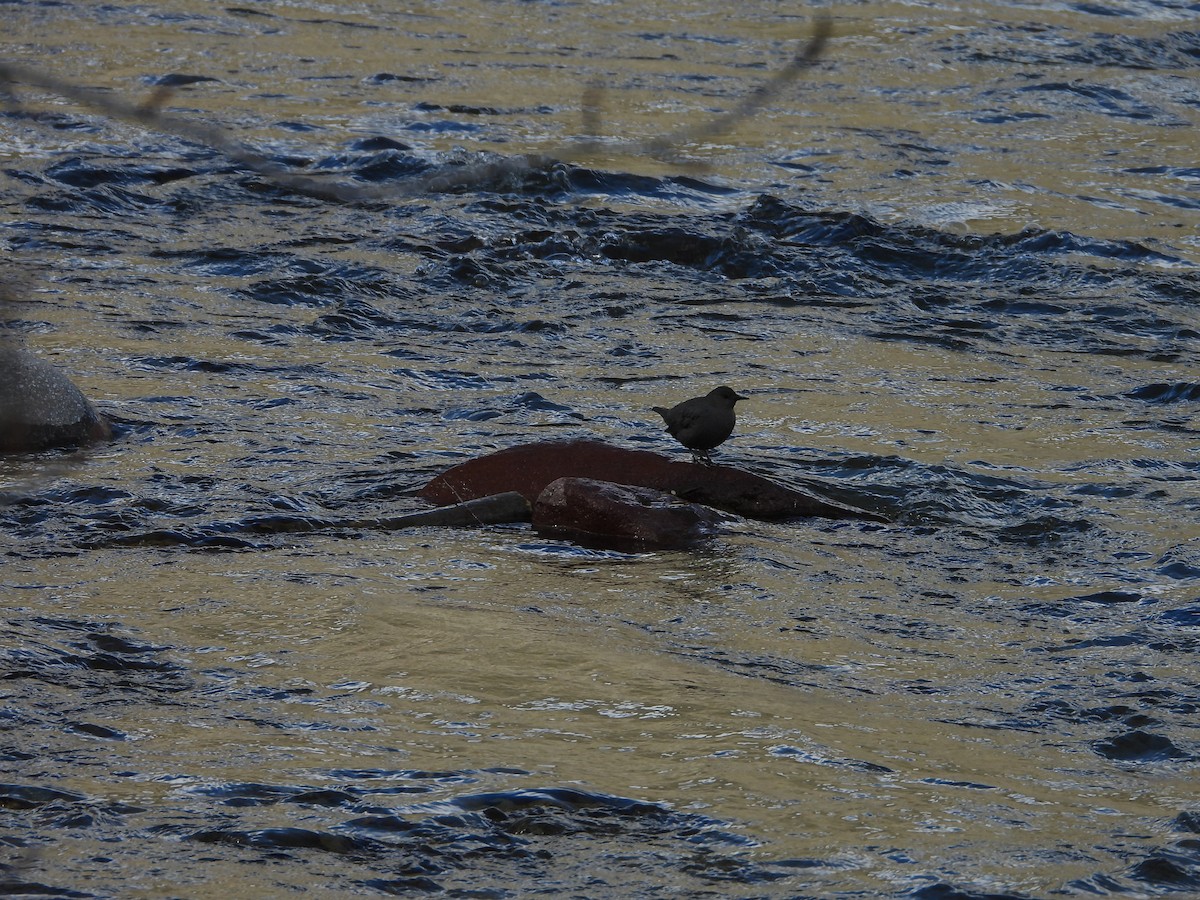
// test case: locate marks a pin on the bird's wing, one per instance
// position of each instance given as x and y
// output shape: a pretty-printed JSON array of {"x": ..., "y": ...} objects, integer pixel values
[{"x": 683, "y": 419}]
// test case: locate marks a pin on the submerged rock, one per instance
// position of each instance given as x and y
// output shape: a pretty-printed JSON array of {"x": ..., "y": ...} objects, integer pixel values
[
  {"x": 529, "y": 468},
  {"x": 621, "y": 514},
  {"x": 40, "y": 408}
]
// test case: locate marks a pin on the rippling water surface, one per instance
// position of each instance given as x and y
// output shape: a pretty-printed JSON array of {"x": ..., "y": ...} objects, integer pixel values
[{"x": 955, "y": 268}]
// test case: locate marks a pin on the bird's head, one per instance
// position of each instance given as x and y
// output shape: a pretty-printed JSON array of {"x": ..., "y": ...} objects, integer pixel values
[{"x": 725, "y": 395}]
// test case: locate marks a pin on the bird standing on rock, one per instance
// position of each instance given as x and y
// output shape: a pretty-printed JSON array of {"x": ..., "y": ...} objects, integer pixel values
[{"x": 702, "y": 423}]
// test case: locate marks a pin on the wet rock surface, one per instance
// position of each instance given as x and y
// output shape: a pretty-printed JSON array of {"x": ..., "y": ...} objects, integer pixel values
[
  {"x": 620, "y": 515},
  {"x": 530, "y": 468}
]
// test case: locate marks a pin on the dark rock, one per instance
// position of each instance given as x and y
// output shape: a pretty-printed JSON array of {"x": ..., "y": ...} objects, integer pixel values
[
  {"x": 1139, "y": 746},
  {"x": 40, "y": 408},
  {"x": 529, "y": 468},
  {"x": 621, "y": 515}
]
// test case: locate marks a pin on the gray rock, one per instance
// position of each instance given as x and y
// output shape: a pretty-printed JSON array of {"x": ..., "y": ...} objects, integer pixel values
[{"x": 40, "y": 408}]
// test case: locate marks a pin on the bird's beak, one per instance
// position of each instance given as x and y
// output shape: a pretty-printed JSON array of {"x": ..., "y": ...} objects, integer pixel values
[{"x": 737, "y": 396}]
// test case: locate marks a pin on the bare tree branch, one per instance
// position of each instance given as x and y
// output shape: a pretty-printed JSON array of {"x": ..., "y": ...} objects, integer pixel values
[
  {"x": 666, "y": 145},
  {"x": 150, "y": 114}
]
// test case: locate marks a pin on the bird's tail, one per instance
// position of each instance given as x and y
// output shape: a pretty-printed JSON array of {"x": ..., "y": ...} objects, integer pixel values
[{"x": 661, "y": 410}]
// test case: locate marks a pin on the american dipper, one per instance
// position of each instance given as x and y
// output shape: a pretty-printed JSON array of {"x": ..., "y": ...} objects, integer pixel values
[{"x": 702, "y": 423}]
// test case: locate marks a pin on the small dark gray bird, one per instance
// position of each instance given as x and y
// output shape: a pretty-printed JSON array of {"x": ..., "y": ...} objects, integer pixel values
[{"x": 702, "y": 423}]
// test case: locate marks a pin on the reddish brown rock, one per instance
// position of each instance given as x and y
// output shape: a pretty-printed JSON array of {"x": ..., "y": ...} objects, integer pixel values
[
  {"x": 621, "y": 515},
  {"x": 529, "y": 468}
]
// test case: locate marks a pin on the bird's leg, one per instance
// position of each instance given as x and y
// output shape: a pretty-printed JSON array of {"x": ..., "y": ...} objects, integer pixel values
[{"x": 701, "y": 458}]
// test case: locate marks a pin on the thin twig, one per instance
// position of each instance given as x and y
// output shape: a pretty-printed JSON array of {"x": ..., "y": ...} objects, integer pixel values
[
  {"x": 667, "y": 144},
  {"x": 150, "y": 115}
]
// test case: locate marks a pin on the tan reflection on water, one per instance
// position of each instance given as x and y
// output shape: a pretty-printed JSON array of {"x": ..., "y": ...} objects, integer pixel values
[{"x": 424, "y": 652}]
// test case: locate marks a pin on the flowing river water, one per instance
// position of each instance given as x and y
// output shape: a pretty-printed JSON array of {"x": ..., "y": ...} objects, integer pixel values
[{"x": 955, "y": 268}]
